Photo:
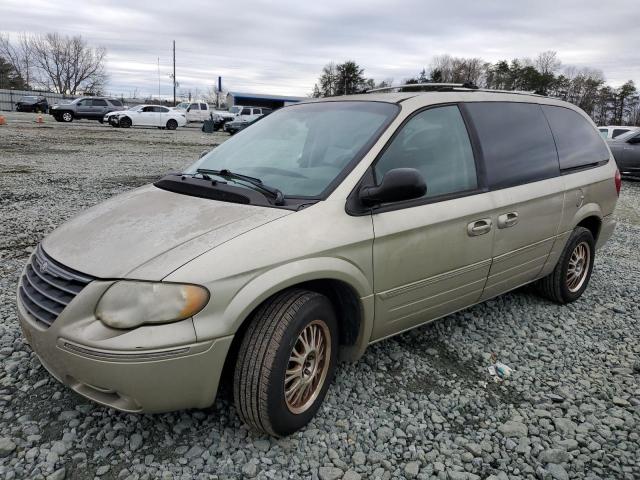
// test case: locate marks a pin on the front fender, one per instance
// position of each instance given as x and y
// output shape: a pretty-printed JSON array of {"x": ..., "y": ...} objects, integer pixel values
[{"x": 231, "y": 304}]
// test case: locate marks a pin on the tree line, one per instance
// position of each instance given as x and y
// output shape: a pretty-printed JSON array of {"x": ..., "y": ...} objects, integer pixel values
[
  {"x": 584, "y": 87},
  {"x": 52, "y": 62}
]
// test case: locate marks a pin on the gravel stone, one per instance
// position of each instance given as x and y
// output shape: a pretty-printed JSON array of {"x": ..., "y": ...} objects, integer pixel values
[
  {"x": 557, "y": 472},
  {"x": 571, "y": 408},
  {"x": 412, "y": 469},
  {"x": 514, "y": 429},
  {"x": 6, "y": 446},
  {"x": 330, "y": 473}
]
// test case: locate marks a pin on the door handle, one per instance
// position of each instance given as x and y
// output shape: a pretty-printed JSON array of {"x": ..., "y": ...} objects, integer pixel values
[
  {"x": 479, "y": 227},
  {"x": 507, "y": 219}
]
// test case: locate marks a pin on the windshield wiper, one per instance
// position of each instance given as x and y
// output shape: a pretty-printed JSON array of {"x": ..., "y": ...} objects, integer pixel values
[{"x": 256, "y": 182}]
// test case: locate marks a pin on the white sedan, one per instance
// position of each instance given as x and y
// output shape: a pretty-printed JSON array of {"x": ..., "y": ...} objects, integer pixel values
[{"x": 147, "y": 116}]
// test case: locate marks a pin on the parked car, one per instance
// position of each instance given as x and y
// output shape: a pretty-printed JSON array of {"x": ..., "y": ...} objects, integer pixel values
[
  {"x": 240, "y": 123},
  {"x": 615, "y": 131},
  {"x": 324, "y": 227},
  {"x": 195, "y": 111},
  {"x": 626, "y": 150},
  {"x": 90, "y": 108},
  {"x": 32, "y": 103},
  {"x": 147, "y": 116}
]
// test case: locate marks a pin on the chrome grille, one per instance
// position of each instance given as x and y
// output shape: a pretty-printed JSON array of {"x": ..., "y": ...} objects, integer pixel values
[{"x": 48, "y": 287}]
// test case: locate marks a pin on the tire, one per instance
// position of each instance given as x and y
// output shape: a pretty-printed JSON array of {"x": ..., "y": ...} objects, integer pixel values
[
  {"x": 572, "y": 273},
  {"x": 125, "y": 122},
  {"x": 66, "y": 117},
  {"x": 58, "y": 118},
  {"x": 172, "y": 124},
  {"x": 266, "y": 352}
]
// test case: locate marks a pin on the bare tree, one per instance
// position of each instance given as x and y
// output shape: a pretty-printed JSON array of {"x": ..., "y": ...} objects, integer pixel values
[
  {"x": 19, "y": 55},
  {"x": 547, "y": 62},
  {"x": 67, "y": 64}
]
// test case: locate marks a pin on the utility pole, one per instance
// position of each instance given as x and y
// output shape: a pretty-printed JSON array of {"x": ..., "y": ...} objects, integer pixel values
[{"x": 174, "y": 73}]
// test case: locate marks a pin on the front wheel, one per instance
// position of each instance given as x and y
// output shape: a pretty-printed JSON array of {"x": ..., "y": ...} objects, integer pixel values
[
  {"x": 172, "y": 124},
  {"x": 125, "y": 122},
  {"x": 286, "y": 362},
  {"x": 570, "y": 277},
  {"x": 67, "y": 117}
]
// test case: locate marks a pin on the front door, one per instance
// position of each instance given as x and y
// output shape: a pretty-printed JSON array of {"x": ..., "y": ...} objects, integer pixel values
[{"x": 431, "y": 256}]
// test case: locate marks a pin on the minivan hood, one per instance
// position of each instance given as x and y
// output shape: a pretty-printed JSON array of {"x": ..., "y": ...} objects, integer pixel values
[{"x": 133, "y": 235}]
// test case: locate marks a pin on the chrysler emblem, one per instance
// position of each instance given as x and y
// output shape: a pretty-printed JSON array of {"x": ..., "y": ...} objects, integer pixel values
[{"x": 43, "y": 266}]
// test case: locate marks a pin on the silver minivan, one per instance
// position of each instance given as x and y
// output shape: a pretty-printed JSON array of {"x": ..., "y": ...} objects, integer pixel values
[{"x": 320, "y": 229}]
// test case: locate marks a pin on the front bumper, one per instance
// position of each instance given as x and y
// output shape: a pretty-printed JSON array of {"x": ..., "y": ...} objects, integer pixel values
[{"x": 119, "y": 368}]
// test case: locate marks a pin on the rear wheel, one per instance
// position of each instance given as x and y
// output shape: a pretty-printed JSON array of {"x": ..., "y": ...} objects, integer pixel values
[
  {"x": 67, "y": 117},
  {"x": 286, "y": 362},
  {"x": 172, "y": 124},
  {"x": 125, "y": 122},
  {"x": 571, "y": 275}
]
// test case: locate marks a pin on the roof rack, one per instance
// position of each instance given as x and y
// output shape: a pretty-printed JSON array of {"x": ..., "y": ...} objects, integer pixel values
[
  {"x": 448, "y": 87},
  {"x": 432, "y": 86}
]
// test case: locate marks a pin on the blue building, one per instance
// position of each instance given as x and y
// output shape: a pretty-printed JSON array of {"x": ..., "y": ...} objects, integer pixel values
[{"x": 261, "y": 100}]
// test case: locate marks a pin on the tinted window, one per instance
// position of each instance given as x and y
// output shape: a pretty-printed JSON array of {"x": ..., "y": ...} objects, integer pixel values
[
  {"x": 203, "y": 106},
  {"x": 99, "y": 103},
  {"x": 257, "y": 111},
  {"x": 618, "y": 131},
  {"x": 117, "y": 103},
  {"x": 246, "y": 111},
  {"x": 148, "y": 109},
  {"x": 516, "y": 142},
  {"x": 161, "y": 109},
  {"x": 434, "y": 142},
  {"x": 194, "y": 106},
  {"x": 578, "y": 142}
]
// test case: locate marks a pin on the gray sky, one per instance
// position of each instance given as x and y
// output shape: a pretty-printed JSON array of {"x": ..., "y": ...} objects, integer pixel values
[{"x": 280, "y": 47}]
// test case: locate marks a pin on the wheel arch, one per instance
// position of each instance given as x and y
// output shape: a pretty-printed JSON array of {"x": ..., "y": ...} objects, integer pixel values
[
  {"x": 346, "y": 287},
  {"x": 590, "y": 217}
]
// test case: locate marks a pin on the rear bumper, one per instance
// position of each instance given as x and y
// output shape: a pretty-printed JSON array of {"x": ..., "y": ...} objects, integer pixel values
[
  {"x": 606, "y": 230},
  {"x": 133, "y": 380}
]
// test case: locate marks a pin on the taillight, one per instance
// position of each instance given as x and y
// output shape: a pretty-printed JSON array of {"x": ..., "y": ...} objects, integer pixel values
[{"x": 618, "y": 179}]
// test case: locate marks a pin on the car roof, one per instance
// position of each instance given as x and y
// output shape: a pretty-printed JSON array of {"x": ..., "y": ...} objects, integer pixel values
[{"x": 418, "y": 99}]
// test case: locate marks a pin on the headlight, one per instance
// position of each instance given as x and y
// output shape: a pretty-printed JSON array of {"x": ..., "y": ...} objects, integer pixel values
[{"x": 129, "y": 304}]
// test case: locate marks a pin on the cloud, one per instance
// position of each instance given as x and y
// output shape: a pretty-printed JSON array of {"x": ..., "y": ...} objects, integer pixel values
[{"x": 280, "y": 47}]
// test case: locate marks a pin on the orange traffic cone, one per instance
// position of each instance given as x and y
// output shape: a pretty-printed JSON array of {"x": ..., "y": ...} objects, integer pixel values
[
  {"x": 2, "y": 120},
  {"x": 39, "y": 119}
]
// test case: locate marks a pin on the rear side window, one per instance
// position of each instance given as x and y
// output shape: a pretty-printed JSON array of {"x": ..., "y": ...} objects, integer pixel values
[
  {"x": 578, "y": 142},
  {"x": 618, "y": 131},
  {"x": 117, "y": 103},
  {"x": 203, "y": 106},
  {"x": 436, "y": 143},
  {"x": 98, "y": 102},
  {"x": 516, "y": 142}
]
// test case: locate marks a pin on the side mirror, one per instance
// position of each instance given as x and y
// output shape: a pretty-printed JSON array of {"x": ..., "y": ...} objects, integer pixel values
[
  {"x": 397, "y": 185},
  {"x": 188, "y": 109}
]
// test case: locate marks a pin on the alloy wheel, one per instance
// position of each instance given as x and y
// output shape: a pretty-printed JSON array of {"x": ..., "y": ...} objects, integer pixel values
[
  {"x": 579, "y": 263},
  {"x": 308, "y": 366}
]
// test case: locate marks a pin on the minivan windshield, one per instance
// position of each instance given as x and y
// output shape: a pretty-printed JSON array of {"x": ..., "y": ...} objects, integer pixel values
[{"x": 302, "y": 149}]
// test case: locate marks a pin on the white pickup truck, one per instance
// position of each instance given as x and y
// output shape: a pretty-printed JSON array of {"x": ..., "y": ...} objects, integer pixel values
[{"x": 195, "y": 111}]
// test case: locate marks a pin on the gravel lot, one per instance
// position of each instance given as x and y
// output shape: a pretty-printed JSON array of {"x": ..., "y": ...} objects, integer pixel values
[{"x": 421, "y": 405}]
